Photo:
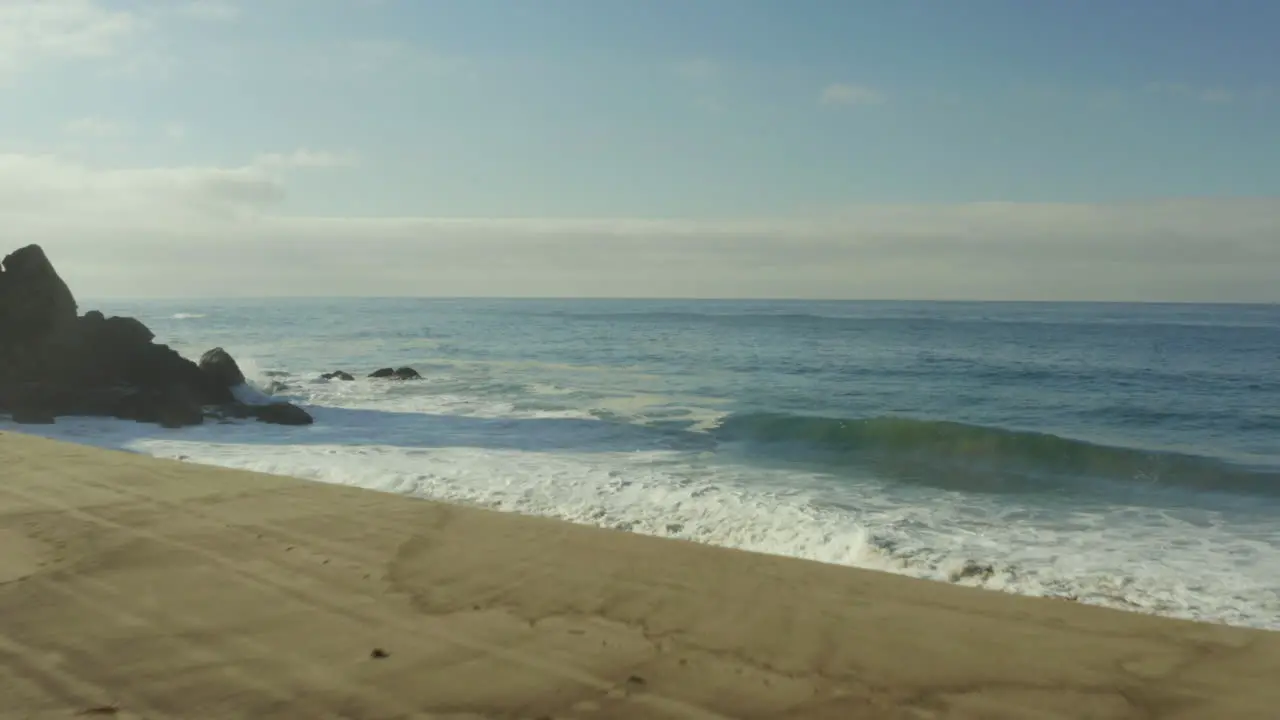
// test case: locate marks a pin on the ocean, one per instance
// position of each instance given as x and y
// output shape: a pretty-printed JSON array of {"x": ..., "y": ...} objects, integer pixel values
[{"x": 1121, "y": 455}]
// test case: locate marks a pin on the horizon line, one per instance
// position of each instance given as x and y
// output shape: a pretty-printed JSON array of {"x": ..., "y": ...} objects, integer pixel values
[{"x": 614, "y": 298}]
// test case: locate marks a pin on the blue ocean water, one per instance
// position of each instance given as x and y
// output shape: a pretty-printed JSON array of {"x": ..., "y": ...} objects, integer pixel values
[{"x": 1125, "y": 455}]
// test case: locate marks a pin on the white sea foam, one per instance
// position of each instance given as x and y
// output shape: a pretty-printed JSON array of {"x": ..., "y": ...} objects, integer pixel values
[
  {"x": 401, "y": 438},
  {"x": 186, "y": 316}
]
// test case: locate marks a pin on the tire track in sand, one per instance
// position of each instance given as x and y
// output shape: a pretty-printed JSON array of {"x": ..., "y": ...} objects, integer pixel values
[{"x": 354, "y": 613}]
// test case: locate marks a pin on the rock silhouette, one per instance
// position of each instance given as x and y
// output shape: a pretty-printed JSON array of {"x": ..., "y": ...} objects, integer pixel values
[{"x": 54, "y": 362}]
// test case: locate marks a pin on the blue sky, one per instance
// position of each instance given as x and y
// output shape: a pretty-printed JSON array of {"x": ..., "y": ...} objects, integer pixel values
[{"x": 1092, "y": 133}]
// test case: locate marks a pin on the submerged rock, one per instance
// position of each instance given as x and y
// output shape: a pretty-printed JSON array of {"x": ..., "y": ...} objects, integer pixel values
[
  {"x": 280, "y": 413},
  {"x": 402, "y": 373},
  {"x": 337, "y": 375}
]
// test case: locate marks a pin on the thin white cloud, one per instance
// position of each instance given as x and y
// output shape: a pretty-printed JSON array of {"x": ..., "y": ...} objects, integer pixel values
[
  {"x": 849, "y": 95},
  {"x": 38, "y": 31},
  {"x": 225, "y": 231},
  {"x": 38, "y": 188},
  {"x": 304, "y": 158}
]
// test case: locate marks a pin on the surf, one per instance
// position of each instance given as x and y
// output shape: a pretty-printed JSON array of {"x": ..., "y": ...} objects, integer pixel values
[{"x": 960, "y": 456}]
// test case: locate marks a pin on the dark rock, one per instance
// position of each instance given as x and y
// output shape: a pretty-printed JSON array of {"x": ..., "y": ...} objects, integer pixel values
[
  {"x": 53, "y": 363},
  {"x": 403, "y": 373},
  {"x": 35, "y": 398},
  {"x": 221, "y": 368},
  {"x": 274, "y": 413},
  {"x": 118, "y": 351},
  {"x": 282, "y": 414},
  {"x": 234, "y": 411},
  {"x": 337, "y": 375},
  {"x": 171, "y": 407},
  {"x": 407, "y": 373},
  {"x": 34, "y": 301},
  {"x": 33, "y": 416},
  {"x": 179, "y": 408},
  {"x": 124, "y": 331}
]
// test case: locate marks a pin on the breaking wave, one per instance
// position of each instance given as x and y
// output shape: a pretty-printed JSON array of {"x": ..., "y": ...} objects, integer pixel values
[{"x": 960, "y": 456}]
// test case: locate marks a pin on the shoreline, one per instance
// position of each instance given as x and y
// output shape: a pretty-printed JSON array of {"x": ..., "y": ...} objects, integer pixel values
[
  {"x": 963, "y": 571},
  {"x": 166, "y": 589}
]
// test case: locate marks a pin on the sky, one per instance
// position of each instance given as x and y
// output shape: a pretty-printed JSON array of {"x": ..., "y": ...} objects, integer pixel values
[{"x": 899, "y": 149}]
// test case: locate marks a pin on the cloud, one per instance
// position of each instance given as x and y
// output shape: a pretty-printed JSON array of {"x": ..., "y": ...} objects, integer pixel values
[
  {"x": 848, "y": 95},
  {"x": 36, "y": 189},
  {"x": 33, "y": 32},
  {"x": 304, "y": 159},
  {"x": 224, "y": 231}
]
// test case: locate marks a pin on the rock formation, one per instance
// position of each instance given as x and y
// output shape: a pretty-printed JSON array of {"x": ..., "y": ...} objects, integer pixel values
[
  {"x": 404, "y": 373},
  {"x": 54, "y": 362},
  {"x": 221, "y": 368}
]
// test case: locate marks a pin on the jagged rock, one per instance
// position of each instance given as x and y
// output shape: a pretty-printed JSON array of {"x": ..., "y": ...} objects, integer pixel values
[
  {"x": 403, "y": 373},
  {"x": 171, "y": 407},
  {"x": 221, "y": 368},
  {"x": 111, "y": 352},
  {"x": 34, "y": 301},
  {"x": 53, "y": 363},
  {"x": 53, "y": 399},
  {"x": 337, "y": 375}
]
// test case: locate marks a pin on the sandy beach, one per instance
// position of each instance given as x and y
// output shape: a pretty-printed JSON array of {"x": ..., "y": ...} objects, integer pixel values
[{"x": 133, "y": 587}]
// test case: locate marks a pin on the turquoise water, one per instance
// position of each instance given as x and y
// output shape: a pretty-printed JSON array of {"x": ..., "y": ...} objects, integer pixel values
[{"x": 1125, "y": 455}]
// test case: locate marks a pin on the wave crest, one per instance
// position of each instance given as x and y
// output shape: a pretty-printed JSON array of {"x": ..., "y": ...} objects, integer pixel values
[{"x": 978, "y": 458}]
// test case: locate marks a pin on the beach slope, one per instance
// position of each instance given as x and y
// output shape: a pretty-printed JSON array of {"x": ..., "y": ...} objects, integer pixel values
[{"x": 132, "y": 587}]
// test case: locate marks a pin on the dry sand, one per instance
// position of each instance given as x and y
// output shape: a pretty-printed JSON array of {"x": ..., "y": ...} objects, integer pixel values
[{"x": 139, "y": 588}]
